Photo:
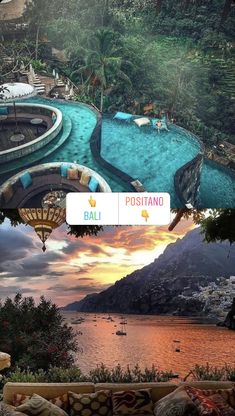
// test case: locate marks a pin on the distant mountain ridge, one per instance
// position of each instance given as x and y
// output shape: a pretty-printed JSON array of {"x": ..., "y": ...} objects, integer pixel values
[{"x": 184, "y": 266}]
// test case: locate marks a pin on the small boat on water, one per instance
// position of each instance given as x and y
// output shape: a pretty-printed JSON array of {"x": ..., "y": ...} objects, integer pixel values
[
  {"x": 77, "y": 321},
  {"x": 121, "y": 331}
]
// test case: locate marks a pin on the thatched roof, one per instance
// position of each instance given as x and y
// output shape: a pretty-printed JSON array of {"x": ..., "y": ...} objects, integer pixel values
[{"x": 12, "y": 10}]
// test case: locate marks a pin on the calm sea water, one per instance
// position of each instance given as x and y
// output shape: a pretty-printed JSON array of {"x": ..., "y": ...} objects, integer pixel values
[{"x": 151, "y": 340}]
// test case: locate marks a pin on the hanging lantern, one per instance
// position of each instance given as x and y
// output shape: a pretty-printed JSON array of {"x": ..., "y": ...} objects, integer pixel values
[{"x": 43, "y": 220}]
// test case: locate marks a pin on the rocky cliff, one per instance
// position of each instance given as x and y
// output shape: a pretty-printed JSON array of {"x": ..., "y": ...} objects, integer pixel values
[
  {"x": 230, "y": 318},
  {"x": 183, "y": 268}
]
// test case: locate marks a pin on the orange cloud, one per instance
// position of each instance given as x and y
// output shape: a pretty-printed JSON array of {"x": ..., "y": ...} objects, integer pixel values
[{"x": 72, "y": 268}]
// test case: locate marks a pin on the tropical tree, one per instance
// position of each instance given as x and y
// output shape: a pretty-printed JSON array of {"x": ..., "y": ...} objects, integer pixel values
[
  {"x": 103, "y": 64},
  {"x": 217, "y": 224},
  {"x": 40, "y": 14},
  {"x": 35, "y": 335}
]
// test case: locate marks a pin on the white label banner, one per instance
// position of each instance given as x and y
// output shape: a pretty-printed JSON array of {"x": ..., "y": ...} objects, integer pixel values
[
  {"x": 98, "y": 208},
  {"x": 147, "y": 208}
]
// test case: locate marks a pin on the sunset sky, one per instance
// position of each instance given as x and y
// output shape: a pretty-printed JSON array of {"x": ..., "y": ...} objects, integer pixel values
[{"x": 72, "y": 268}]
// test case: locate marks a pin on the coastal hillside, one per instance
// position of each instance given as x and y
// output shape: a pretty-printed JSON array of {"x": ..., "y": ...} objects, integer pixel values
[{"x": 175, "y": 282}]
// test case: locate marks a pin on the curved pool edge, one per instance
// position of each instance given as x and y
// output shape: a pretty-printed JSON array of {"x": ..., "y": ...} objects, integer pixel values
[{"x": 95, "y": 146}]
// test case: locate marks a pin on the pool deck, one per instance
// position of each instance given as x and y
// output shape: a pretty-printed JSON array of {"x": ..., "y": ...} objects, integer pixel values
[{"x": 227, "y": 158}]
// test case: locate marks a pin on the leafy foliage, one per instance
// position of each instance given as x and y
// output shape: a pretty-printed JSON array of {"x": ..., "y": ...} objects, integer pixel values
[
  {"x": 216, "y": 224},
  {"x": 118, "y": 374},
  {"x": 35, "y": 335},
  {"x": 213, "y": 373},
  {"x": 123, "y": 54},
  {"x": 101, "y": 374}
]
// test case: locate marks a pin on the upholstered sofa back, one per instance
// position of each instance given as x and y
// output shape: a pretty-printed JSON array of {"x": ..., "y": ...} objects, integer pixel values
[
  {"x": 46, "y": 390},
  {"x": 51, "y": 390}
]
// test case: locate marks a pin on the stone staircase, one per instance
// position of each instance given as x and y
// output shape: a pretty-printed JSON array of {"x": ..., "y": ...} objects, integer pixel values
[{"x": 36, "y": 82}]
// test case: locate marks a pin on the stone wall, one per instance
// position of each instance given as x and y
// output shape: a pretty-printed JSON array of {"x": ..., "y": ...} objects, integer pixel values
[{"x": 187, "y": 181}]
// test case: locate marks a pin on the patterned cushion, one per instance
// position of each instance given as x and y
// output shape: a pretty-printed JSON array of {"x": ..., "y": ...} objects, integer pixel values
[
  {"x": 7, "y": 410},
  {"x": 60, "y": 401},
  {"x": 93, "y": 184},
  {"x": 90, "y": 404},
  {"x": 176, "y": 403},
  {"x": 26, "y": 180},
  {"x": 227, "y": 394},
  {"x": 85, "y": 178},
  {"x": 72, "y": 173},
  {"x": 38, "y": 406},
  {"x": 8, "y": 193},
  {"x": 205, "y": 405},
  {"x": 4, "y": 111},
  {"x": 222, "y": 405},
  {"x": 19, "y": 399},
  {"x": 132, "y": 402},
  {"x": 64, "y": 169}
]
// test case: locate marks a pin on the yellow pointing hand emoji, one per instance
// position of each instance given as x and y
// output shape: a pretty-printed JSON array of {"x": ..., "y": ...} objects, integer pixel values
[
  {"x": 145, "y": 214},
  {"x": 92, "y": 202}
]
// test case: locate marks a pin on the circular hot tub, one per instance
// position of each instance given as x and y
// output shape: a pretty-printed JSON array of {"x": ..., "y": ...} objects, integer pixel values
[{"x": 26, "y": 114}]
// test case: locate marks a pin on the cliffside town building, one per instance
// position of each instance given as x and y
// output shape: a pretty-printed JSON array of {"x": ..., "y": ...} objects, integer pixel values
[{"x": 217, "y": 296}]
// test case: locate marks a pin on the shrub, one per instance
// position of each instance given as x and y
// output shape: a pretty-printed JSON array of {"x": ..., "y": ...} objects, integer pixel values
[
  {"x": 53, "y": 375},
  {"x": 208, "y": 372},
  {"x": 38, "y": 65},
  {"x": 35, "y": 336},
  {"x": 102, "y": 374}
]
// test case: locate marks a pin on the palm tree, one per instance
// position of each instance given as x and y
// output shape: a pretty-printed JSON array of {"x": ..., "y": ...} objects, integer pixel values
[{"x": 103, "y": 62}]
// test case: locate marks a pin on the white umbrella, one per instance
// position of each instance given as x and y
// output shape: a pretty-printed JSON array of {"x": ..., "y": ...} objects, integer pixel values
[
  {"x": 71, "y": 91},
  {"x": 14, "y": 91},
  {"x": 53, "y": 72},
  {"x": 56, "y": 75},
  {"x": 66, "y": 87}
]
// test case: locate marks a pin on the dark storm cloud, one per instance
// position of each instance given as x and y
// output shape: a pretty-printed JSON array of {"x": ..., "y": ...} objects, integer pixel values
[
  {"x": 12, "y": 290},
  {"x": 55, "y": 274},
  {"x": 14, "y": 244},
  {"x": 80, "y": 247},
  {"x": 27, "y": 266},
  {"x": 81, "y": 279}
]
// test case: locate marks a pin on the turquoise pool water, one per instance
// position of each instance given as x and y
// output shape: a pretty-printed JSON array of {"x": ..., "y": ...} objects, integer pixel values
[
  {"x": 147, "y": 155},
  {"x": 217, "y": 188},
  {"x": 142, "y": 153}
]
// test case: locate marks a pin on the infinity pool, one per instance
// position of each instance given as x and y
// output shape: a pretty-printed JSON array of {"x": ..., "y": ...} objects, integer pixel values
[
  {"x": 142, "y": 153},
  {"x": 147, "y": 155}
]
